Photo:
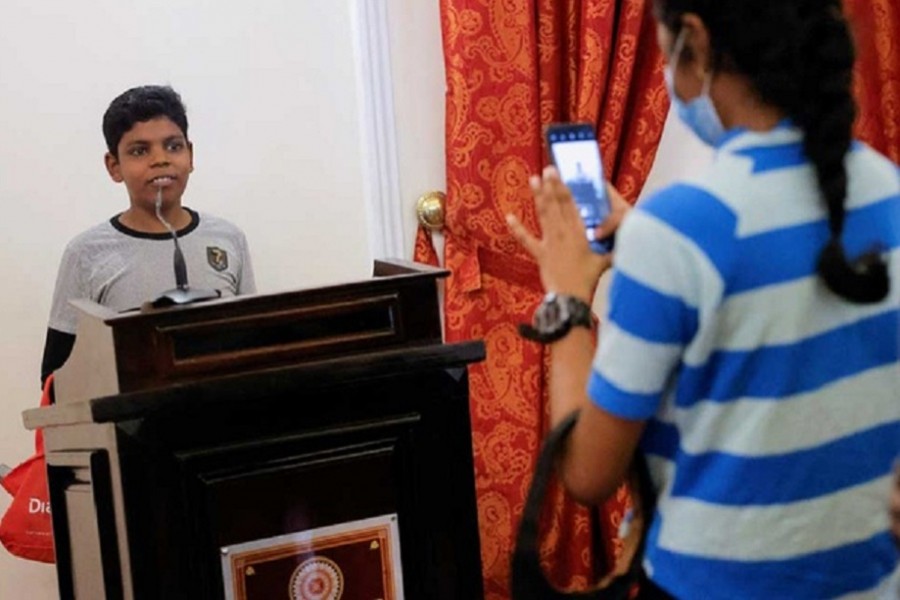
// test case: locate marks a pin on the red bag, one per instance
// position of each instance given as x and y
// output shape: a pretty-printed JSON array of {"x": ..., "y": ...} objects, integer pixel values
[{"x": 26, "y": 529}]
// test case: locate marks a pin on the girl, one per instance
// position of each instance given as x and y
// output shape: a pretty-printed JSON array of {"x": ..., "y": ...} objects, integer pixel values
[{"x": 751, "y": 344}]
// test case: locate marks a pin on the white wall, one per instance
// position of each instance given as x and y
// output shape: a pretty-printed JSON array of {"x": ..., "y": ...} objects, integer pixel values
[
  {"x": 680, "y": 154},
  {"x": 418, "y": 69},
  {"x": 269, "y": 87}
]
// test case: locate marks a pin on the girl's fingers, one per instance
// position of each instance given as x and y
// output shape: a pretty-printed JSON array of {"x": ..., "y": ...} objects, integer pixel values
[
  {"x": 557, "y": 212},
  {"x": 547, "y": 198},
  {"x": 523, "y": 236},
  {"x": 619, "y": 208},
  {"x": 609, "y": 226},
  {"x": 561, "y": 196}
]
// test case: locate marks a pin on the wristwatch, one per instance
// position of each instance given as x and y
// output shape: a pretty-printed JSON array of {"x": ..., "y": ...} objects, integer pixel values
[{"x": 555, "y": 317}]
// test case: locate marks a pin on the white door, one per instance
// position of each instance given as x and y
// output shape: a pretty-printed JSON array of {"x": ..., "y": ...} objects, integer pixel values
[{"x": 401, "y": 83}]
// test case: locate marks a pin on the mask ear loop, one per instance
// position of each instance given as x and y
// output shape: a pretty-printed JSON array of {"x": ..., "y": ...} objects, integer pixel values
[
  {"x": 707, "y": 83},
  {"x": 672, "y": 67},
  {"x": 678, "y": 48}
]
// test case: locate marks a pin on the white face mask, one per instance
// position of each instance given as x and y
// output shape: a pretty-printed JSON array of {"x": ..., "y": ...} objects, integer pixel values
[{"x": 700, "y": 113}]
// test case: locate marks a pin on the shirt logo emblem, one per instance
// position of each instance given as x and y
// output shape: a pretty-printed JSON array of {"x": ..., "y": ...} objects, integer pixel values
[{"x": 217, "y": 258}]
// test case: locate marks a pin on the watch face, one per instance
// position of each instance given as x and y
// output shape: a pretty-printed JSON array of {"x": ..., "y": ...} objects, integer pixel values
[{"x": 551, "y": 315}]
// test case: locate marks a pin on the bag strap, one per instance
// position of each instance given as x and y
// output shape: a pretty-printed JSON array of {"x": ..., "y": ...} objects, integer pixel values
[
  {"x": 528, "y": 580},
  {"x": 46, "y": 400},
  {"x": 47, "y": 391}
]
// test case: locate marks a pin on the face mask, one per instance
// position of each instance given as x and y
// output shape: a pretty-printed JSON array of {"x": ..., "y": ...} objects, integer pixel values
[{"x": 700, "y": 113}]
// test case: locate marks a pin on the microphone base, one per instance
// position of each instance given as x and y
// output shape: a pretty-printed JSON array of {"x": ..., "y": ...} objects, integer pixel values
[{"x": 181, "y": 296}]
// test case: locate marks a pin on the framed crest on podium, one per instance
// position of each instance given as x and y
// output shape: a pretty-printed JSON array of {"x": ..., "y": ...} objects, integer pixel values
[{"x": 358, "y": 560}]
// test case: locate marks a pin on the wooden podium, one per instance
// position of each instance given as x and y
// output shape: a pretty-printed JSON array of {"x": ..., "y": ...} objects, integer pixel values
[{"x": 313, "y": 444}]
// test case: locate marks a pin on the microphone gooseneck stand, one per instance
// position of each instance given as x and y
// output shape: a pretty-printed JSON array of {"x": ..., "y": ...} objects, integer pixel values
[{"x": 182, "y": 293}]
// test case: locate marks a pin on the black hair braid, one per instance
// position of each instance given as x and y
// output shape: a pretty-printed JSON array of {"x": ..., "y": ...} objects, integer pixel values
[
  {"x": 799, "y": 56},
  {"x": 826, "y": 114}
]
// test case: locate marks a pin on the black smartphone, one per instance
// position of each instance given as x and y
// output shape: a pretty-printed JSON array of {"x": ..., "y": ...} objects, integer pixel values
[{"x": 575, "y": 152}]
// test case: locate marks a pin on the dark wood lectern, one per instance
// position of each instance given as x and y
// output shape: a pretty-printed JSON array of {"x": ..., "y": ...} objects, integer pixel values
[{"x": 313, "y": 445}]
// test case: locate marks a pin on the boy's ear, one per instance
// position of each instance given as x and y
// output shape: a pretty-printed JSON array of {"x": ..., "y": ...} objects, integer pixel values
[
  {"x": 190, "y": 146},
  {"x": 113, "y": 168}
]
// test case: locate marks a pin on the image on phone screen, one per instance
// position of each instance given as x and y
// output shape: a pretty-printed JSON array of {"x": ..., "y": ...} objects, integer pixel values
[{"x": 574, "y": 151}]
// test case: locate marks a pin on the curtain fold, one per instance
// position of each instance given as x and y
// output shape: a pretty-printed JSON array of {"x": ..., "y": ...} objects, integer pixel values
[
  {"x": 876, "y": 27},
  {"x": 513, "y": 66}
]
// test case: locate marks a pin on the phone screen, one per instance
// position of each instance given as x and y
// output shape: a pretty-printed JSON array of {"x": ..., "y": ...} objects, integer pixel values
[{"x": 576, "y": 155}]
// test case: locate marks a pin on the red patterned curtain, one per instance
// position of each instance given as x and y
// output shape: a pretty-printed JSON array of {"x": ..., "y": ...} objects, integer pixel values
[
  {"x": 876, "y": 25},
  {"x": 512, "y": 67}
]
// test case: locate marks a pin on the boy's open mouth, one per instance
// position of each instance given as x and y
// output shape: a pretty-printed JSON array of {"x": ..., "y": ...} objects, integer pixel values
[{"x": 162, "y": 180}]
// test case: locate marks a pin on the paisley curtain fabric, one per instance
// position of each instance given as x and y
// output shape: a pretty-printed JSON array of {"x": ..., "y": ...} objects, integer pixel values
[
  {"x": 512, "y": 67},
  {"x": 876, "y": 25}
]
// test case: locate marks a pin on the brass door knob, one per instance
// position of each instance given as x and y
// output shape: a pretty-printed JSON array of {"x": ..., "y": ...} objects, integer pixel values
[{"x": 430, "y": 210}]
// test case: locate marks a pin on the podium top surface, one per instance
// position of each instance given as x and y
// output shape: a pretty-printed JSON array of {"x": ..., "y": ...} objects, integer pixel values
[
  {"x": 348, "y": 370},
  {"x": 387, "y": 276},
  {"x": 153, "y": 348}
]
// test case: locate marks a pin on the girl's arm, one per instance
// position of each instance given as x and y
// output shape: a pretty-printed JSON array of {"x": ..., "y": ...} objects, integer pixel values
[{"x": 600, "y": 448}]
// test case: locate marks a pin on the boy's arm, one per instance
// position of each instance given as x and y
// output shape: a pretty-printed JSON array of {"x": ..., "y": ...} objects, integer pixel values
[
  {"x": 70, "y": 283},
  {"x": 57, "y": 348},
  {"x": 246, "y": 278}
]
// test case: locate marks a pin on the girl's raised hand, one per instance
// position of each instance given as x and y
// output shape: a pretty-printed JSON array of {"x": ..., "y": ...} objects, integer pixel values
[{"x": 566, "y": 262}]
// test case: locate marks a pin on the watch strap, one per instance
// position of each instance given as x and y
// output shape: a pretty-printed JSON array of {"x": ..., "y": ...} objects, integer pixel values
[
  {"x": 578, "y": 315},
  {"x": 581, "y": 312},
  {"x": 530, "y": 333}
]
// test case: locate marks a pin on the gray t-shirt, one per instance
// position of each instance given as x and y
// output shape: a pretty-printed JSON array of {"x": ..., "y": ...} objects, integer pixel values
[{"x": 121, "y": 268}]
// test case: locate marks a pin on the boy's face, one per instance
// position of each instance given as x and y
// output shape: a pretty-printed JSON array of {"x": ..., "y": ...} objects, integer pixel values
[{"x": 152, "y": 155}]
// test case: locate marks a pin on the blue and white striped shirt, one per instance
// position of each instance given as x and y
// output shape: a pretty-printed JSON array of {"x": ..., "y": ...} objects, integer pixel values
[{"x": 773, "y": 406}]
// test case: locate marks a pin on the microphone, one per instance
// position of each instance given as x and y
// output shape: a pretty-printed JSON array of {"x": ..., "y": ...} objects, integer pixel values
[
  {"x": 181, "y": 280},
  {"x": 182, "y": 294}
]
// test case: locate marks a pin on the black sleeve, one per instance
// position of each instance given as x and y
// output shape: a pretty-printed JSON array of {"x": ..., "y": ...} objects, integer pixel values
[{"x": 57, "y": 348}]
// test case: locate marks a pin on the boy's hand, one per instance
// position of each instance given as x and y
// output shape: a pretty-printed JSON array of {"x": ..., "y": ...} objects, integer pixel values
[{"x": 566, "y": 262}]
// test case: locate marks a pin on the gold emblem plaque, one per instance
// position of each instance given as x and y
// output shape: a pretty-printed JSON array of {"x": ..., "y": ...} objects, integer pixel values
[{"x": 357, "y": 560}]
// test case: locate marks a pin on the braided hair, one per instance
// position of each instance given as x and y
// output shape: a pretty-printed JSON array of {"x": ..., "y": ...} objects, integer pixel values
[{"x": 799, "y": 56}]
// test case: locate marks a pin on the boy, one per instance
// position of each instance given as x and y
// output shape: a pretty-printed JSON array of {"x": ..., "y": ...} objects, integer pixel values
[{"x": 128, "y": 260}]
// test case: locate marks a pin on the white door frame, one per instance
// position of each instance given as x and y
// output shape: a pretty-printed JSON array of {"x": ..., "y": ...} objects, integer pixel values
[{"x": 381, "y": 177}]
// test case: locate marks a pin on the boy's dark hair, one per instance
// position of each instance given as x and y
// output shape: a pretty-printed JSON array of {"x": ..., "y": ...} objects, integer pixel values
[
  {"x": 141, "y": 104},
  {"x": 799, "y": 56}
]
